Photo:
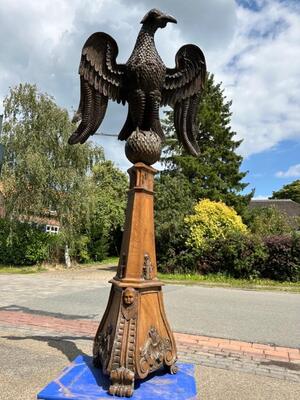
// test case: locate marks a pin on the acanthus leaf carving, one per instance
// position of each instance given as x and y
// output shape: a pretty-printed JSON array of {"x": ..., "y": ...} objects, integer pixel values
[{"x": 155, "y": 352}]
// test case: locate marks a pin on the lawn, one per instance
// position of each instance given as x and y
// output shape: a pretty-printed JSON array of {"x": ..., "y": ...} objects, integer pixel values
[
  {"x": 31, "y": 269},
  {"x": 226, "y": 281}
]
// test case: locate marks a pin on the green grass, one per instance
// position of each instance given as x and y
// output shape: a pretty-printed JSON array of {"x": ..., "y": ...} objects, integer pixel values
[
  {"x": 108, "y": 260},
  {"x": 31, "y": 269},
  {"x": 13, "y": 269},
  {"x": 225, "y": 281}
]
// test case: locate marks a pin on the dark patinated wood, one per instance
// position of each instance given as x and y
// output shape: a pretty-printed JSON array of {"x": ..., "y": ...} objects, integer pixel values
[{"x": 144, "y": 82}]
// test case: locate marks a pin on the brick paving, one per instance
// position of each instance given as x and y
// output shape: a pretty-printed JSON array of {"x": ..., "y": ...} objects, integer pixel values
[{"x": 261, "y": 359}]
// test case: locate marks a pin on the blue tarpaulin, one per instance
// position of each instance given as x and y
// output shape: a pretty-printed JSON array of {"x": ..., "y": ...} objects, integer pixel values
[{"x": 82, "y": 381}]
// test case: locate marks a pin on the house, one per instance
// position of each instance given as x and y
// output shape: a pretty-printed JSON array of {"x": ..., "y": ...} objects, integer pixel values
[
  {"x": 47, "y": 221},
  {"x": 285, "y": 206}
]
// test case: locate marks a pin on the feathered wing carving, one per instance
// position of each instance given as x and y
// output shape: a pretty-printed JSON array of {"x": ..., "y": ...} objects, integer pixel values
[
  {"x": 182, "y": 90},
  {"x": 101, "y": 78}
]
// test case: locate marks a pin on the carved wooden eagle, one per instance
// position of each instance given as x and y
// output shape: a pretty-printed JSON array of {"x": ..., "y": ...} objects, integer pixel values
[{"x": 143, "y": 82}]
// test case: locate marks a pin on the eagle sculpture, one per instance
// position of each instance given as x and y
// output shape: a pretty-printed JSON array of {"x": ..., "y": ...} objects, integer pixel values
[{"x": 144, "y": 82}]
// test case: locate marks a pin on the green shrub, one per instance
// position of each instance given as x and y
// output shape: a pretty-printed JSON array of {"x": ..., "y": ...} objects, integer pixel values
[
  {"x": 283, "y": 262},
  {"x": 98, "y": 248},
  {"x": 81, "y": 250},
  {"x": 182, "y": 262},
  {"x": 99, "y": 242},
  {"x": 237, "y": 255},
  {"x": 241, "y": 256},
  {"x": 173, "y": 201},
  {"x": 268, "y": 221},
  {"x": 212, "y": 221},
  {"x": 22, "y": 244}
]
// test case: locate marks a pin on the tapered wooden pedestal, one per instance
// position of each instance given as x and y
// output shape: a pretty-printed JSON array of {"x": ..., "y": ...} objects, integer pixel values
[{"x": 134, "y": 337}]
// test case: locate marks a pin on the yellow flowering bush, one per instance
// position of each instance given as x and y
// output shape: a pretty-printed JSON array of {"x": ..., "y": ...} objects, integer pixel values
[{"x": 212, "y": 220}]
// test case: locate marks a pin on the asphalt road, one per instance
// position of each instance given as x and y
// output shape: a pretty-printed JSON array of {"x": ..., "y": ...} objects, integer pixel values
[{"x": 258, "y": 316}]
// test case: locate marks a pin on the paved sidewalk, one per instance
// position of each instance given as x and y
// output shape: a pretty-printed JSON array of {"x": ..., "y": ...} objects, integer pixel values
[
  {"x": 261, "y": 359},
  {"x": 31, "y": 359}
]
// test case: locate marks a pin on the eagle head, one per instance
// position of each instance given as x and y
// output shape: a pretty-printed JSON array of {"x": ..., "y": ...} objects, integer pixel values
[{"x": 157, "y": 18}]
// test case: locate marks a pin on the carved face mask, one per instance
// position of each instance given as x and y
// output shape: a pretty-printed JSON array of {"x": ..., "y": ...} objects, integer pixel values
[{"x": 128, "y": 297}]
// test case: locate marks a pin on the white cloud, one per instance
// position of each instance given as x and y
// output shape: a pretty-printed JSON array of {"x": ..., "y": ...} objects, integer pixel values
[
  {"x": 42, "y": 41},
  {"x": 261, "y": 72},
  {"x": 253, "y": 53},
  {"x": 292, "y": 172}
]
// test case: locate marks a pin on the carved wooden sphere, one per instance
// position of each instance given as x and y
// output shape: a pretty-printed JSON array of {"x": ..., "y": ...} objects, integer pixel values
[{"x": 143, "y": 146}]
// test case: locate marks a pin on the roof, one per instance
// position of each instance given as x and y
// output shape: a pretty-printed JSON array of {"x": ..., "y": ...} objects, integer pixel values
[{"x": 290, "y": 207}]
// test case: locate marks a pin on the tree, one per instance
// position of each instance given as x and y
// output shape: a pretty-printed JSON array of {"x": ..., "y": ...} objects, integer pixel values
[
  {"x": 108, "y": 202},
  {"x": 290, "y": 191},
  {"x": 215, "y": 174},
  {"x": 173, "y": 200},
  {"x": 41, "y": 171}
]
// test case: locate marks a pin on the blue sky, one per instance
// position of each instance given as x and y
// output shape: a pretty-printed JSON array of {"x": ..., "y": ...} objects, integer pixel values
[
  {"x": 251, "y": 46},
  {"x": 278, "y": 165},
  {"x": 267, "y": 170}
]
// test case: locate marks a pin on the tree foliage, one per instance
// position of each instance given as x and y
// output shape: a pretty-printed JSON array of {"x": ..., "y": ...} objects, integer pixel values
[
  {"x": 215, "y": 174},
  {"x": 42, "y": 172},
  {"x": 109, "y": 186},
  {"x": 290, "y": 191},
  {"x": 22, "y": 244},
  {"x": 268, "y": 221},
  {"x": 107, "y": 204},
  {"x": 212, "y": 221},
  {"x": 173, "y": 200}
]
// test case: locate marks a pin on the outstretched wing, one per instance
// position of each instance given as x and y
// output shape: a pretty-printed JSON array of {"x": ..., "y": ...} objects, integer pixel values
[
  {"x": 182, "y": 89},
  {"x": 100, "y": 79}
]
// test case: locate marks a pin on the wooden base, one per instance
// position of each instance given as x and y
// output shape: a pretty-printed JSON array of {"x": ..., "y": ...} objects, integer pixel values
[{"x": 134, "y": 337}]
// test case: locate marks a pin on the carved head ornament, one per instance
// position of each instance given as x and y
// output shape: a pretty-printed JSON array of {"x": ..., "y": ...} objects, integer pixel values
[{"x": 129, "y": 296}]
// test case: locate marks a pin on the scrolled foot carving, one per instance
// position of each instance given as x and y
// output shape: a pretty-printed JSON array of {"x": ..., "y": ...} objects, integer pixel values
[
  {"x": 122, "y": 382},
  {"x": 173, "y": 369}
]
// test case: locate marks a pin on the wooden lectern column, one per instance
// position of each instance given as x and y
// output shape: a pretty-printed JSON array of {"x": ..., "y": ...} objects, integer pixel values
[{"x": 134, "y": 337}]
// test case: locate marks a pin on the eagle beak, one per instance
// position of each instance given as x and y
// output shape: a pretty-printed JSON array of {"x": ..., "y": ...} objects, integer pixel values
[{"x": 169, "y": 18}]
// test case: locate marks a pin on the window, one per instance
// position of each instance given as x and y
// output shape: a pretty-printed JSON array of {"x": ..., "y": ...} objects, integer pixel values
[{"x": 52, "y": 229}]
